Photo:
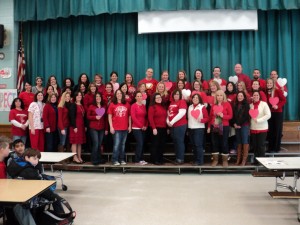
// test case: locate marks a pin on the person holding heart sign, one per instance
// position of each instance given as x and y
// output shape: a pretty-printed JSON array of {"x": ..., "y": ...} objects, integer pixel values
[
  {"x": 218, "y": 126},
  {"x": 177, "y": 121},
  {"x": 260, "y": 114},
  {"x": 197, "y": 117},
  {"x": 97, "y": 121},
  {"x": 276, "y": 101}
]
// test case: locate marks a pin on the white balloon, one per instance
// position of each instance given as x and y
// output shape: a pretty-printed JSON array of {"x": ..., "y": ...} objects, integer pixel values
[
  {"x": 282, "y": 81},
  {"x": 233, "y": 79},
  {"x": 186, "y": 93}
]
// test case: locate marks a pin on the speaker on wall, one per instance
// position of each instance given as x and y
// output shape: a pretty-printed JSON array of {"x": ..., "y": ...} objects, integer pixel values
[{"x": 1, "y": 35}]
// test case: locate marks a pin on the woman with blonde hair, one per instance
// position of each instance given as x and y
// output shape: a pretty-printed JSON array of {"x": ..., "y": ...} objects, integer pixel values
[
  {"x": 218, "y": 126},
  {"x": 63, "y": 119},
  {"x": 161, "y": 89}
]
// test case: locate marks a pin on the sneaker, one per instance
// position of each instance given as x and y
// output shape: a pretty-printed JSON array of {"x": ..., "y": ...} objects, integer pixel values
[
  {"x": 142, "y": 163},
  {"x": 116, "y": 164},
  {"x": 123, "y": 163}
]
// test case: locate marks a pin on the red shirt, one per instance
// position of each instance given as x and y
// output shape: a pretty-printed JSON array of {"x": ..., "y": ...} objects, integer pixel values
[
  {"x": 27, "y": 98},
  {"x": 2, "y": 170},
  {"x": 150, "y": 85},
  {"x": 120, "y": 115},
  {"x": 205, "y": 86},
  {"x": 131, "y": 90},
  {"x": 94, "y": 123},
  {"x": 157, "y": 116},
  {"x": 63, "y": 118},
  {"x": 246, "y": 79},
  {"x": 138, "y": 116},
  {"x": 50, "y": 117},
  {"x": 174, "y": 110},
  {"x": 227, "y": 114},
  {"x": 20, "y": 116}
]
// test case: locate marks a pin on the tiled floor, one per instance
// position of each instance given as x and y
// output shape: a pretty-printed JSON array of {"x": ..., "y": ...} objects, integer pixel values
[{"x": 172, "y": 199}]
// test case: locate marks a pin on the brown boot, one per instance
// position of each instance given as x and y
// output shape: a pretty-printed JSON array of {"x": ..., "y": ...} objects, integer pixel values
[
  {"x": 60, "y": 148},
  {"x": 239, "y": 155},
  {"x": 215, "y": 158},
  {"x": 245, "y": 154},
  {"x": 225, "y": 160}
]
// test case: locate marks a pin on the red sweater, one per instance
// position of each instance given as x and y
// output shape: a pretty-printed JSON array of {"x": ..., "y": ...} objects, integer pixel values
[
  {"x": 94, "y": 123},
  {"x": 282, "y": 100},
  {"x": 63, "y": 118},
  {"x": 27, "y": 98},
  {"x": 227, "y": 114},
  {"x": 101, "y": 89},
  {"x": 88, "y": 100},
  {"x": 107, "y": 98},
  {"x": 50, "y": 117},
  {"x": 138, "y": 116},
  {"x": 157, "y": 116}
]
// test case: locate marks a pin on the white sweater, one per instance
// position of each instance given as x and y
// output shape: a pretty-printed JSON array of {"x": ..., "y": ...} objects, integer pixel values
[
  {"x": 192, "y": 122},
  {"x": 264, "y": 114}
]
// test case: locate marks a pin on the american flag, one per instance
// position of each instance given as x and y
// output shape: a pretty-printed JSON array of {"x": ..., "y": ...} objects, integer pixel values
[{"x": 21, "y": 63}]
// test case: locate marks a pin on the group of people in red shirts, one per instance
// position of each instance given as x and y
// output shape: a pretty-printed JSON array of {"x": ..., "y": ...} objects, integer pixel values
[{"x": 211, "y": 110}]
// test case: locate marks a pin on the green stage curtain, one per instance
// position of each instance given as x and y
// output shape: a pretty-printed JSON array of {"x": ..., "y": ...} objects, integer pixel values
[
  {"x": 52, "y": 9},
  {"x": 101, "y": 44}
]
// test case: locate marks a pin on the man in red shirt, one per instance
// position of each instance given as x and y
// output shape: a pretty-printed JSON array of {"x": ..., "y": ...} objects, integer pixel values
[
  {"x": 256, "y": 76},
  {"x": 150, "y": 82},
  {"x": 242, "y": 77},
  {"x": 217, "y": 77}
]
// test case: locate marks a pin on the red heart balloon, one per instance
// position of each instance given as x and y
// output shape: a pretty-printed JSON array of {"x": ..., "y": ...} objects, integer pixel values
[
  {"x": 168, "y": 85},
  {"x": 195, "y": 113},
  {"x": 274, "y": 100},
  {"x": 253, "y": 113},
  {"x": 218, "y": 108}
]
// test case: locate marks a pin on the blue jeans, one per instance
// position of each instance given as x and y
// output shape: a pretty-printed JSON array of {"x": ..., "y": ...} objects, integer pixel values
[
  {"x": 220, "y": 142},
  {"x": 197, "y": 137},
  {"x": 97, "y": 137},
  {"x": 23, "y": 138},
  {"x": 63, "y": 138},
  {"x": 139, "y": 136},
  {"x": 178, "y": 135},
  {"x": 242, "y": 135},
  {"x": 119, "y": 139}
]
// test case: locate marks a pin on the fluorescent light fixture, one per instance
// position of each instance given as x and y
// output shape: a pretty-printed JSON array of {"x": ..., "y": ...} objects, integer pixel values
[{"x": 196, "y": 20}]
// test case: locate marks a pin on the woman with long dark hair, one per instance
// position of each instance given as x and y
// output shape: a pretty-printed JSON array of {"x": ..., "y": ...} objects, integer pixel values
[
  {"x": 120, "y": 125},
  {"x": 18, "y": 117},
  {"x": 241, "y": 123},
  {"x": 157, "y": 116},
  {"x": 96, "y": 116}
]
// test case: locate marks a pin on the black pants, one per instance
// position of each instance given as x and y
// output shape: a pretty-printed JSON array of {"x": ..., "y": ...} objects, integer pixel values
[
  {"x": 258, "y": 144},
  {"x": 275, "y": 131},
  {"x": 158, "y": 145}
]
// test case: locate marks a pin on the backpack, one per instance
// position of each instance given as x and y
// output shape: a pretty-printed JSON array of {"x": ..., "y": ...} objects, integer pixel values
[{"x": 48, "y": 216}]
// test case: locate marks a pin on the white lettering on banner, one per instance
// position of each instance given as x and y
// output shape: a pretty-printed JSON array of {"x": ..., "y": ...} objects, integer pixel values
[{"x": 6, "y": 98}]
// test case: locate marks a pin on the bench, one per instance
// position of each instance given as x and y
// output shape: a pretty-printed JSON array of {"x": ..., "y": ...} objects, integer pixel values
[{"x": 284, "y": 195}]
